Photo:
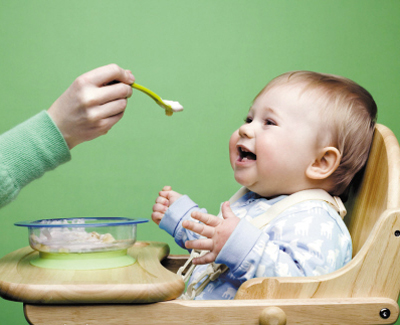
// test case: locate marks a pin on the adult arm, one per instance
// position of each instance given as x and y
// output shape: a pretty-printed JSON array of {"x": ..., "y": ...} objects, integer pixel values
[
  {"x": 86, "y": 110},
  {"x": 27, "y": 151}
]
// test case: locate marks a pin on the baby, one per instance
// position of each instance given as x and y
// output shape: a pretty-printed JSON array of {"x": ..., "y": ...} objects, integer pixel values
[{"x": 305, "y": 130}]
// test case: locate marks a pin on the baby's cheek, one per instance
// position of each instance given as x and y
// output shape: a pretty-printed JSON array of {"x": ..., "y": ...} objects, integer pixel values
[{"x": 232, "y": 147}]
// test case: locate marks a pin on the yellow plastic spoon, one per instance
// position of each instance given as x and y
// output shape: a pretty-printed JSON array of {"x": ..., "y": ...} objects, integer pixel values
[{"x": 169, "y": 105}]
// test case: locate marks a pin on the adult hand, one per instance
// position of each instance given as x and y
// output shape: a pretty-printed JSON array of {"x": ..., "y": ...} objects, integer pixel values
[{"x": 92, "y": 105}]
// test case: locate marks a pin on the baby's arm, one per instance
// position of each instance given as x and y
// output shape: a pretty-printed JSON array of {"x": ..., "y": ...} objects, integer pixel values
[
  {"x": 304, "y": 243},
  {"x": 165, "y": 199},
  {"x": 170, "y": 210},
  {"x": 216, "y": 230},
  {"x": 91, "y": 105}
]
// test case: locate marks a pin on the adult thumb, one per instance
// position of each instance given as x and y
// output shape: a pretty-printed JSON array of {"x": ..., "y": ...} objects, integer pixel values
[{"x": 226, "y": 210}]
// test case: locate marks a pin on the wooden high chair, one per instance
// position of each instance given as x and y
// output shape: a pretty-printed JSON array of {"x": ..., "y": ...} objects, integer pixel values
[{"x": 365, "y": 291}]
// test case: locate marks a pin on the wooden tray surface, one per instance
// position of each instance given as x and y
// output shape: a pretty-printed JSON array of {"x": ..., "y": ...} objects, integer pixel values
[{"x": 143, "y": 282}]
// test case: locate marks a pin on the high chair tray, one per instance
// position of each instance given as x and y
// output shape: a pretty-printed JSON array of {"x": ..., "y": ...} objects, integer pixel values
[{"x": 145, "y": 281}]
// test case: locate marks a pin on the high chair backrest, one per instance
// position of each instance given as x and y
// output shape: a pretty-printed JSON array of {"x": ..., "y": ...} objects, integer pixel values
[{"x": 379, "y": 188}]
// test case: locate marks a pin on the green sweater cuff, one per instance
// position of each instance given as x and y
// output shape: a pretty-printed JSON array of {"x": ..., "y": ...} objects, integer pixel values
[{"x": 27, "y": 151}]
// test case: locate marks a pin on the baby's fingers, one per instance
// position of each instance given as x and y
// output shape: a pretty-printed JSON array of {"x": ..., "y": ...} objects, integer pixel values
[
  {"x": 162, "y": 200},
  {"x": 163, "y": 194},
  {"x": 156, "y": 217},
  {"x": 206, "y": 218},
  {"x": 158, "y": 207},
  {"x": 166, "y": 193},
  {"x": 206, "y": 259},
  {"x": 198, "y": 228},
  {"x": 204, "y": 244}
]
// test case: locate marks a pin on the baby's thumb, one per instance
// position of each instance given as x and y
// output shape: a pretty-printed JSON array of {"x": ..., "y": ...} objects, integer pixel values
[{"x": 226, "y": 210}]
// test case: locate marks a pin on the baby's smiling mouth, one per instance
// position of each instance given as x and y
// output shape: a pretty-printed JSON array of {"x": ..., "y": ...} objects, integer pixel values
[{"x": 245, "y": 154}]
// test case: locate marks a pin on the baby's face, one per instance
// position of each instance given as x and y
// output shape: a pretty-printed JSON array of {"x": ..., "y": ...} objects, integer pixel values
[{"x": 271, "y": 152}]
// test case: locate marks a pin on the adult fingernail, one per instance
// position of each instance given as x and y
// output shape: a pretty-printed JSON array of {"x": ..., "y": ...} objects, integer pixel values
[{"x": 131, "y": 77}]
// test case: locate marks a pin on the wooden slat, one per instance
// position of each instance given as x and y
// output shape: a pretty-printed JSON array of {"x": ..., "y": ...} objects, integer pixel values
[{"x": 298, "y": 311}]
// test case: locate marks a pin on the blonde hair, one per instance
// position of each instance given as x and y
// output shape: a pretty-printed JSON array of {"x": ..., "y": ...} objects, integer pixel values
[{"x": 348, "y": 110}]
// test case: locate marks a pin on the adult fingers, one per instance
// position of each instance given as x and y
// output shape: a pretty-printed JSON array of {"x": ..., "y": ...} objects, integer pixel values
[
  {"x": 108, "y": 73},
  {"x": 113, "y": 92},
  {"x": 107, "y": 123},
  {"x": 108, "y": 110}
]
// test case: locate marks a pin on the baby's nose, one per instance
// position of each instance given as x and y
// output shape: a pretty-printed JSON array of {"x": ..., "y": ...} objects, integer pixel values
[{"x": 246, "y": 131}]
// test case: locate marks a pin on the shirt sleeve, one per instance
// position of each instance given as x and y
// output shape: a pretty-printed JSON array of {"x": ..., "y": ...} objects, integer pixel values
[
  {"x": 308, "y": 241},
  {"x": 28, "y": 151},
  {"x": 179, "y": 211}
]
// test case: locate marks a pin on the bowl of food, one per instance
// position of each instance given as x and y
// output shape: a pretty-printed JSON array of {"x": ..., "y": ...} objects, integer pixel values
[{"x": 81, "y": 239}]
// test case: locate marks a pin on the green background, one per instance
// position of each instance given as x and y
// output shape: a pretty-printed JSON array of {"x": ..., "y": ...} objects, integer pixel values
[{"x": 212, "y": 56}]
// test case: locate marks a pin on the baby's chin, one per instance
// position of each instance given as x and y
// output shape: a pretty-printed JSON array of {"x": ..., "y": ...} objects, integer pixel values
[
  {"x": 240, "y": 180},
  {"x": 266, "y": 193},
  {"x": 245, "y": 182}
]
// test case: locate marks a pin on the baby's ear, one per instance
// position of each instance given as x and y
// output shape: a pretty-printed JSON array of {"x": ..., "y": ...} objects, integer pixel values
[{"x": 325, "y": 164}]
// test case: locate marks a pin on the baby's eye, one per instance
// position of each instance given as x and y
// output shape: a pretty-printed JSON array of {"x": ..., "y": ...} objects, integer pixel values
[
  {"x": 248, "y": 119},
  {"x": 269, "y": 122}
]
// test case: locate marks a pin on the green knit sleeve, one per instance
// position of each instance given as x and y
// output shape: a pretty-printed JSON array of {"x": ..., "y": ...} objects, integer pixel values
[{"x": 27, "y": 151}]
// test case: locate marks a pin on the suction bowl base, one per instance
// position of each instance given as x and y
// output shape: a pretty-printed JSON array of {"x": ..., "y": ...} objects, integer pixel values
[{"x": 83, "y": 261}]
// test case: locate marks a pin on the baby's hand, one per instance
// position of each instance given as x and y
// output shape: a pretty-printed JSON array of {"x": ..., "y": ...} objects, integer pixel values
[
  {"x": 216, "y": 230},
  {"x": 163, "y": 202},
  {"x": 92, "y": 104}
]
